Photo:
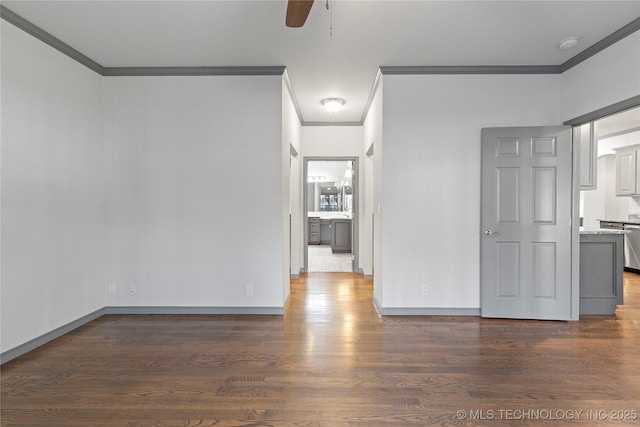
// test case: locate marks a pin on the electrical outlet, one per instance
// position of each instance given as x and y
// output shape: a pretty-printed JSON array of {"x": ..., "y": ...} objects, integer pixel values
[
  {"x": 424, "y": 289},
  {"x": 249, "y": 290},
  {"x": 132, "y": 290},
  {"x": 113, "y": 288}
]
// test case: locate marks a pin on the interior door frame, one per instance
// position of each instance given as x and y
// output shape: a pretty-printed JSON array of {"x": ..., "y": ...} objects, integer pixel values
[
  {"x": 575, "y": 229},
  {"x": 600, "y": 113},
  {"x": 355, "y": 221}
]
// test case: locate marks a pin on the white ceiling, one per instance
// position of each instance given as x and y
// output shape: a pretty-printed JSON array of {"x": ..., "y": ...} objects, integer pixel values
[
  {"x": 619, "y": 130},
  {"x": 323, "y": 63},
  {"x": 621, "y": 122}
]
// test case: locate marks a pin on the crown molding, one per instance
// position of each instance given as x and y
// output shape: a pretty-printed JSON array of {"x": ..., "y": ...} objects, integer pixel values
[
  {"x": 372, "y": 94},
  {"x": 193, "y": 71},
  {"x": 331, "y": 123},
  {"x": 618, "y": 107},
  {"x": 470, "y": 69},
  {"x": 296, "y": 106},
  {"x": 292, "y": 94},
  {"x": 32, "y": 29},
  {"x": 52, "y": 41},
  {"x": 619, "y": 133},
  {"x": 48, "y": 39},
  {"x": 601, "y": 45}
]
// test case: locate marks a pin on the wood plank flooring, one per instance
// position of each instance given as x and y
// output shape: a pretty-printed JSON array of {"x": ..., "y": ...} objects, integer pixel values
[{"x": 332, "y": 361}]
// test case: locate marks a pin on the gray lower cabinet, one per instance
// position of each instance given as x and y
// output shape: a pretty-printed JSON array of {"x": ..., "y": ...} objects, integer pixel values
[
  {"x": 314, "y": 231},
  {"x": 340, "y": 235},
  {"x": 600, "y": 273},
  {"x": 325, "y": 231}
]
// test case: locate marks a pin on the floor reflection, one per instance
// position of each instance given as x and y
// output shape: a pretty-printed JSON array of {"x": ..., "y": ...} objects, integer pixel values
[{"x": 332, "y": 311}]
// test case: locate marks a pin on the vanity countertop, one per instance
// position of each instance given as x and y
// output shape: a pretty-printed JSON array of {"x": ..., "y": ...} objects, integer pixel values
[
  {"x": 329, "y": 215},
  {"x": 601, "y": 231}
]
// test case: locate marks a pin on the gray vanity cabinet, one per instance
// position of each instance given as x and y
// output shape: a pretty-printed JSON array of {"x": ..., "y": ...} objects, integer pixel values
[
  {"x": 325, "y": 231},
  {"x": 341, "y": 235},
  {"x": 314, "y": 231}
]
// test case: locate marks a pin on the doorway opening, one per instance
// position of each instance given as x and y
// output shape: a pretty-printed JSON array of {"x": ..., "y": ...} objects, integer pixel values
[
  {"x": 612, "y": 195},
  {"x": 330, "y": 200},
  {"x": 600, "y": 199}
]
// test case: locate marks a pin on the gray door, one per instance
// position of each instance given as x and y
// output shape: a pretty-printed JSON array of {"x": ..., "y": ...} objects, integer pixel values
[{"x": 526, "y": 223}]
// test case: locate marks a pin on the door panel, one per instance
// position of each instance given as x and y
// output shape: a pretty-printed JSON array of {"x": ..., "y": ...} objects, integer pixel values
[
  {"x": 544, "y": 267},
  {"x": 508, "y": 195},
  {"x": 508, "y": 265},
  {"x": 526, "y": 212},
  {"x": 544, "y": 198}
]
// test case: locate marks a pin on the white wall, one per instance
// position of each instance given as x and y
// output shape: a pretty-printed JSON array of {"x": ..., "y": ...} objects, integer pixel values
[
  {"x": 592, "y": 202},
  {"x": 372, "y": 185},
  {"x": 336, "y": 141},
  {"x": 150, "y": 183},
  {"x": 291, "y": 136},
  {"x": 603, "y": 203},
  {"x": 431, "y": 177},
  {"x": 608, "y": 77},
  {"x": 195, "y": 195},
  {"x": 53, "y": 190}
]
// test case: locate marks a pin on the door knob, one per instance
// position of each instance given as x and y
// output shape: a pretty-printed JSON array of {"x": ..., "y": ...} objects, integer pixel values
[{"x": 489, "y": 232}]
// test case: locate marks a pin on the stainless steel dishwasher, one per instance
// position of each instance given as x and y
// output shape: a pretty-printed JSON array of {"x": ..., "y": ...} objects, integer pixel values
[{"x": 632, "y": 246}]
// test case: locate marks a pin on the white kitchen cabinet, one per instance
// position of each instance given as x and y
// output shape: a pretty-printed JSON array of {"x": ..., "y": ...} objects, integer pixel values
[
  {"x": 627, "y": 176},
  {"x": 586, "y": 140}
]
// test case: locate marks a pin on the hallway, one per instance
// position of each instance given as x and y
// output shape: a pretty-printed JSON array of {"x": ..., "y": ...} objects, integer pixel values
[
  {"x": 330, "y": 361},
  {"x": 323, "y": 260}
]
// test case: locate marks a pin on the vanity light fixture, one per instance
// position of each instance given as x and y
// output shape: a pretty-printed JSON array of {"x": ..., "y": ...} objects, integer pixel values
[
  {"x": 568, "y": 43},
  {"x": 333, "y": 105}
]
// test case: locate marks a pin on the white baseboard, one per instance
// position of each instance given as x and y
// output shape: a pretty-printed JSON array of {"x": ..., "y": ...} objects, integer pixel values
[
  {"x": 277, "y": 311},
  {"x": 49, "y": 336},
  {"x": 193, "y": 310},
  {"x": 65, "y": 329},
  {"x": 429, "y": 311}
]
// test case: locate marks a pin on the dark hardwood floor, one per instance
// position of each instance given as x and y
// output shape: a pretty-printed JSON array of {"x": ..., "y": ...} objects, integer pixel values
[{"x": 332, "y": 361}]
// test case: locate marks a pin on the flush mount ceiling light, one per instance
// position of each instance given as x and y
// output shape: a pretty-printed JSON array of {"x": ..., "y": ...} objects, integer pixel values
[
  {"x": 568, "y": 43},
  {"x": 333, "y": 105}
]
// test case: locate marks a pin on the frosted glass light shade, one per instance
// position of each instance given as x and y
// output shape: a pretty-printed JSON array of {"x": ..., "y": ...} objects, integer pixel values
[{"x": 333, "y": 105}]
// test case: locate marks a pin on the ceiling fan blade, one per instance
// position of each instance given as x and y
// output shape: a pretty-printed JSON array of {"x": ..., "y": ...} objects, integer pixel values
[{"x": 297, "y": 12}]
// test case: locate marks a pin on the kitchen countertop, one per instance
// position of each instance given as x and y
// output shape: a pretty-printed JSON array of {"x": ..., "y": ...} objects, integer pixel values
[
  {"x": 622, "y": 221},
  {"x": 601, "y": 231}
]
